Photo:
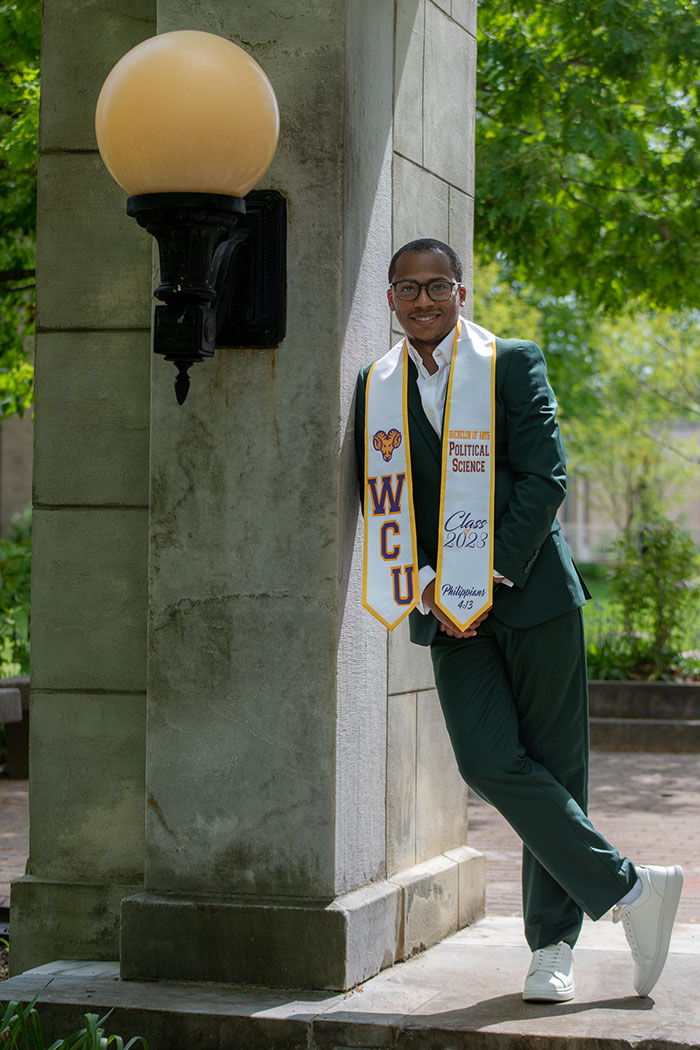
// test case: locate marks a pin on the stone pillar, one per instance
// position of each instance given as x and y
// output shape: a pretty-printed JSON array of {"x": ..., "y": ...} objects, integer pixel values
[
  {"x": 90, "y": 532},
  {"x": 275, "y": 850},
  {"x": 266, "y": 685}
]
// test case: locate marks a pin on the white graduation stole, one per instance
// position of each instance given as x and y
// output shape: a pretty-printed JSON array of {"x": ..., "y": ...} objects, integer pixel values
[{"x": 464, "y": 583}]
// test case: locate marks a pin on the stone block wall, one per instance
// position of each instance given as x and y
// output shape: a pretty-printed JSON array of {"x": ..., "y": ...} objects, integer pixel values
[
  {"x": 433, "y": 196},
  {"x": 89, "y": 594}
]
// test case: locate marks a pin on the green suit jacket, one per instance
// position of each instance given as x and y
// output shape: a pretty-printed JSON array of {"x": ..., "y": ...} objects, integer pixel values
[{"x": 530, "y": 484}]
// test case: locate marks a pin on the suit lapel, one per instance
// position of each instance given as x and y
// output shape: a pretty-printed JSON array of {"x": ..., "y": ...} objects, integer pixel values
[{"x": 422, "y": 434}]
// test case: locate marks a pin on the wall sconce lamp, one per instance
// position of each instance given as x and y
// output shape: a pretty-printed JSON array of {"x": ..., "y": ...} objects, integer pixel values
[{"x": 187, "y": 123}]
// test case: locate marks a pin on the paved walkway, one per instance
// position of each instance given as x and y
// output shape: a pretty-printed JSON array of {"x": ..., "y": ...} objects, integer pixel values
[
  {"x": 463, "y": 994},
  {"x": 647, "y": 805}
]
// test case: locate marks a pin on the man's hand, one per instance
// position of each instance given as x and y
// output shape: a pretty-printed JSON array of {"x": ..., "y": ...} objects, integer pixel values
[{"x": 446, "y": 626}]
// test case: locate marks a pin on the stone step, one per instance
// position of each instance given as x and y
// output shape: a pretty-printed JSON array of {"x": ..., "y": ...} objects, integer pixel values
[
  {"x": 463, "y": 994},
  {"x": 645, "y": 734},
  {"x": 668, "y": 700}
]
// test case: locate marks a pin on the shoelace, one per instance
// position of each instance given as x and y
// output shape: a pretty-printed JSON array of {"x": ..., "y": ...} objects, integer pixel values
[
  {"x": 621, "y": 913},
  {"x": 548, "y": 958}
]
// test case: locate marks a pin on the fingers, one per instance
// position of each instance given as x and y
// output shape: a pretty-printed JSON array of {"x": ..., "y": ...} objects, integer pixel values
[
  {"x": 448, "y": 628},
  {"x": 453, "y": 632}
]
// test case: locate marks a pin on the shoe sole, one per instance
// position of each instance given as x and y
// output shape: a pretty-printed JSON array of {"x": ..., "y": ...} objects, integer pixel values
[
  {"x": 554, "y": 997},
  {"x": 669, "y": 907}
]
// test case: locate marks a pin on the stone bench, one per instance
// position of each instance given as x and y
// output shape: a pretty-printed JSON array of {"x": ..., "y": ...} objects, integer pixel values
[
  {"x": 645, "y": 716},
  {"x": 16, "y": 724},
  {"x": 10, "y": 705}
]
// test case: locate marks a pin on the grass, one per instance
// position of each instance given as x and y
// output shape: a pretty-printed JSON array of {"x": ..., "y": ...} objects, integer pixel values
[{"x": 598, "y": 583}]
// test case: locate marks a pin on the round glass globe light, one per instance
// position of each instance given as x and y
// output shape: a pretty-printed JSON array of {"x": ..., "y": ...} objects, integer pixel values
[{"x": 187, "y": 112}]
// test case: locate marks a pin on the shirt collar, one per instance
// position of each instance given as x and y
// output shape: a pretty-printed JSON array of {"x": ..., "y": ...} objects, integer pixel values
[{"x": 442, "y": 355}]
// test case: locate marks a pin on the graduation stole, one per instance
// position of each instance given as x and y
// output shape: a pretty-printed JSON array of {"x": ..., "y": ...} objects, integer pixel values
[{"x": 464, "y": 583}]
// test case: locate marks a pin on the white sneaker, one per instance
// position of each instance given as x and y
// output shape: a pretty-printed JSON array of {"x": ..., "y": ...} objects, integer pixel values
[
  {"x": 551, "y": 975},
  {"x": 648, "y": 922}
]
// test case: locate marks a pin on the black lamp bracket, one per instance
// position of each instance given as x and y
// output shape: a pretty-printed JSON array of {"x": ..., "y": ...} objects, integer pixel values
[{"x": 222, "y": 273}]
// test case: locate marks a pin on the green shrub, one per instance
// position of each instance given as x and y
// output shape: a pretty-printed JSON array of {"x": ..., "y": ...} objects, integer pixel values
[
  {"x": 15, "y": 585},
  {"x": 608, "y": 652},
  {"x": 655, "y": 590}
]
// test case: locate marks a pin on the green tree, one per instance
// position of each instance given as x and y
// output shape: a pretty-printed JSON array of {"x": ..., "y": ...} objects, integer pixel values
[
  {"x": 632, "y": 442},
  {"x": 628, "y": 390},
  {"x": 588, "y": 148},
  {"x": 565, "y": 328},
  {"x": 20, "y": 34}
]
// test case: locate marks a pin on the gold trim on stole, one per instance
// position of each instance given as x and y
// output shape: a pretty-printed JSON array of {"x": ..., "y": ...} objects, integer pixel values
[
  {"x": 443, "y": 480},
  {"x": 409, "y": 496}
]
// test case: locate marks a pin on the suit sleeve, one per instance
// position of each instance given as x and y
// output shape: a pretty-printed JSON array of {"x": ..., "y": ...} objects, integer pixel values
[
  {"x": 536, "y": 460},
  {"x": 360, "y": 395}
]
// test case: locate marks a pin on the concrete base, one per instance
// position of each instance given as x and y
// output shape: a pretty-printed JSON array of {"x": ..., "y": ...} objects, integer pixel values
[
  {"x": 439, "y": 897},
  {"x": 45, "y": 912},
  {"x": 272, "y": 942},
  {"x": 463, "y": 994},
  {"x": 281, "y": 942}
]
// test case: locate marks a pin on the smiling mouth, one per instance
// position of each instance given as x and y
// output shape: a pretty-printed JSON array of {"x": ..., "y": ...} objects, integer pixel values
[{"x": 424, "y": 318}]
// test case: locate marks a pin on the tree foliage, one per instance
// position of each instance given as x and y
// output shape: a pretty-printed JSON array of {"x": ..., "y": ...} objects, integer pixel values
[
  {"x": 563, "y": 326},
  {"x": 588, "y": 147},
  {"x": 20, "y": 33},
  {"x": 635, "y": 437},
  {"x": 628, "y": 390}
]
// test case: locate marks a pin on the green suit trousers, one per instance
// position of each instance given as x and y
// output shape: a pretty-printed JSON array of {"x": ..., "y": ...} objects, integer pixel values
[{"x": 516, "y": 706}]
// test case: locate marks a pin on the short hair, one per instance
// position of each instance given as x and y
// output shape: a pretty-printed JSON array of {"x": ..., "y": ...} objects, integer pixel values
[{"x": 428, "y": 244}]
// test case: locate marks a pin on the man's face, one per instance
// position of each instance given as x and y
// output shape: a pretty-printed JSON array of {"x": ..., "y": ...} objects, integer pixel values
[{"x": 425, "y": 322}]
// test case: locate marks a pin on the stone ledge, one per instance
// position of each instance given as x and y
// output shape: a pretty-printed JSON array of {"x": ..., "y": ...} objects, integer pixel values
[
  {"x": 670, "y": 700},
  {"x": 645, "y": 734},
  {"x": 464, "y": 994}
]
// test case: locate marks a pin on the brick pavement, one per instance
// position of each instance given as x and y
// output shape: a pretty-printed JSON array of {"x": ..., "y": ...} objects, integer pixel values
[
  {"x": 647, "y": 805},
  {"x": 14, "y": 833}
]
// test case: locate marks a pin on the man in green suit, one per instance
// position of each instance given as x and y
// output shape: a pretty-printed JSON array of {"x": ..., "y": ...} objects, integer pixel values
[{"x": 513, "y": 685}]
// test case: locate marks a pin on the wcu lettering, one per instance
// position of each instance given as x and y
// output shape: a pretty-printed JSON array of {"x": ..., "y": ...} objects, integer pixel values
[
  {"x": 396, "y": 581},
  {"x": 387, "y": 493}
]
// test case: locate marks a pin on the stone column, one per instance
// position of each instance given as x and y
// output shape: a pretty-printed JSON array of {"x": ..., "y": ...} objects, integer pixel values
[
  {"x": 266, "y": 732},
  {"x": 270, "y": 769},
  {"x": 266, "y": 686},
  {"x": 90, "y": 534}
]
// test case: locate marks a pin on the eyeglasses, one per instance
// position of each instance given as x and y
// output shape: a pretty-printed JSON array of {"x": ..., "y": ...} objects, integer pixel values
[{"x": 437, "y": 290}]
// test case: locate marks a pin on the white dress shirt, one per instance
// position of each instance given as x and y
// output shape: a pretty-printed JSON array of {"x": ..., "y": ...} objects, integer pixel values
[{"x": 433, "y": 392}]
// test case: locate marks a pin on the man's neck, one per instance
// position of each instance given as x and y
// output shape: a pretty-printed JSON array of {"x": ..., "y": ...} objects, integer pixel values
[{"x": 425, "y": 351}]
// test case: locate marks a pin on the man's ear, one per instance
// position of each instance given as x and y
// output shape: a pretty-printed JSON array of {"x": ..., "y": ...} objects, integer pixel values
[
  {"x": 462, "y": 294},
  {"x": 390, "y": 300}
]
